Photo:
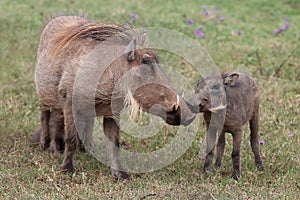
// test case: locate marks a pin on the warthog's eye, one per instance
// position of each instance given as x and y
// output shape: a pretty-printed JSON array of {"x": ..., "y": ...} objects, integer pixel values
[{"x": 147, "y": 61}]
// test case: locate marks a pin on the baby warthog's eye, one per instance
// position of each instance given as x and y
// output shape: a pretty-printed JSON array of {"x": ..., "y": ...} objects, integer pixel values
[{"x": 216, "y": 86}]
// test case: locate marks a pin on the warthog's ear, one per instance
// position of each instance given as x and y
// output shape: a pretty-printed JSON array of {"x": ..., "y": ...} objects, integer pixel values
[
  {"x": 131, "y": 50},
  {"x": 231, "y": 79},
  {"x": 143, "y": 39}
]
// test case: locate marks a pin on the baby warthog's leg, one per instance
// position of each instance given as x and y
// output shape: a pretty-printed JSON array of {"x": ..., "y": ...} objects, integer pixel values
[
  {"x": 237, "y": 141},
  {"x": 111, "y": 131},
  {"x": 70, "y": 139},
  {"x": 254, "y": 140},
  {"x": 220, "y": 150},
  {"x": 45, "y": 137}
]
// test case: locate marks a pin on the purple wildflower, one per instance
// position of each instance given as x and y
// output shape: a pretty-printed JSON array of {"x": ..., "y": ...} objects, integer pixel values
[
  {"x": 286, "y": 19},
  {"x": 290, "y": 135},
  {"x": 127, "y": 26},
  {"x": 190, "y": 21},
  {"x": 276, "y": 31},
  {"x": 221, "y": 18},
  {"x": 287, "y": 25},
  {"x": 262, "y": 141},
  {"x": 203, "y": 7},
  {"x": 200, "y": 27},
  {"x": 282, "y": 28},
  {"x": 133, "y": 17},
  {"x": 239, "y": 32},
  {"x": 199, "y": 33},
  {"x": 299, "y": 32},
  {"x": 205, "y": 13}
]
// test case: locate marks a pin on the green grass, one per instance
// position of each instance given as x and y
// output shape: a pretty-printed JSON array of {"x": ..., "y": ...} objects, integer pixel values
[{"x": 274, "y": 62}]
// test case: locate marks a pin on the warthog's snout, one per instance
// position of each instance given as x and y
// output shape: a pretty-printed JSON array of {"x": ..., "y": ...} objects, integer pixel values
[
  {"x": 161, "y": 100},
  {"x": 181, "y": 114}
]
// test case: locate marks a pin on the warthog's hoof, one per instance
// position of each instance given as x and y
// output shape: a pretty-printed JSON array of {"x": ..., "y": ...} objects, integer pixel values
[
  {"x": 260, "y": 167},
  {"x": 236, "y": 175},
  {"x": 119, "y": 175},
  {"x": 67, "y": 167},
  {"x": 207, "y": 168},
  {"x": 218, "y": 165}
]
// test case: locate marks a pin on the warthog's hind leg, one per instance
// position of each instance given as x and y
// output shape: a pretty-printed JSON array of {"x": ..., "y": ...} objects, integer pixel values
[
  {"x": 254, "y": 139},
  {"x": 45, "y": 136}
]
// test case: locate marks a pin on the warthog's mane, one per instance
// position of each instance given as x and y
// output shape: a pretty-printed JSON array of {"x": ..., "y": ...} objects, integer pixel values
[{"x": 83, "y": 28}]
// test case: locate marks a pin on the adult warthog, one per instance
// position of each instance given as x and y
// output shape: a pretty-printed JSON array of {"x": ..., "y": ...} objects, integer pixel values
[{"x": 78, "y": 72}]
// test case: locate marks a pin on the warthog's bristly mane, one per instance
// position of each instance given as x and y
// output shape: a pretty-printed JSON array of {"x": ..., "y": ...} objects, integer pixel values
[{"x": 82, "y": 29}]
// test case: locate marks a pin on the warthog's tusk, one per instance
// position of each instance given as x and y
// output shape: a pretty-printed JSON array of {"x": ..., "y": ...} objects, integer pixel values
[
  {"x": 182, "y": 94},
  {"x": 215, "y": 109},
  {"x": 177, "y": 102}
]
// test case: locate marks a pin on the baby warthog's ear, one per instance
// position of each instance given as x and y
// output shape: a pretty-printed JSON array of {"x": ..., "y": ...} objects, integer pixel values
[{"x": 231, "y": 79}]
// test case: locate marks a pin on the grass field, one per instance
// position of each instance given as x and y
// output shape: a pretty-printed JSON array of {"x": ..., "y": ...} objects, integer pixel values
[{"x": 243, "y": 41}]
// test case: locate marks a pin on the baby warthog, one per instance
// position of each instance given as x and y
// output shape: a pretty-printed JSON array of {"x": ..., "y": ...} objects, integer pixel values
[
  {"x": 80, "y": 73},
  {"x": 240, "y": 106}
]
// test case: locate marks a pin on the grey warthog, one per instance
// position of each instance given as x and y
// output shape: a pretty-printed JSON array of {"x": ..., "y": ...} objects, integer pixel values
[
  {"x": 70, "y": 71},
  {"x": 242, "y": 98}
]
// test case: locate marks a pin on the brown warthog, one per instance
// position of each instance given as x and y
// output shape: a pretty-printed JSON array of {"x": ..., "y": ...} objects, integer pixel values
[
  {"x": 79, "y": 67},
  {"x": 242, "y": 99}
]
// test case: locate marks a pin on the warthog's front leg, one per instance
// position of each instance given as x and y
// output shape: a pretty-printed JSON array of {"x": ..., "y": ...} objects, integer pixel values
[
  {"x": 111, "y": 131},
  {"x": 220, "y": 150},
  {"x": 84, "y": 126}
]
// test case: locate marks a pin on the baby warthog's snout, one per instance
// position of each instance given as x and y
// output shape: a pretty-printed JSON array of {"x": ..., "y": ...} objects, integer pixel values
[{"x": 196, "y": 105}]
